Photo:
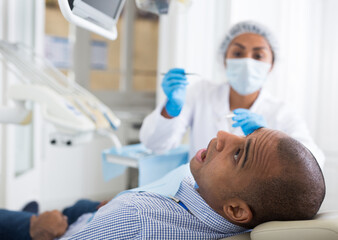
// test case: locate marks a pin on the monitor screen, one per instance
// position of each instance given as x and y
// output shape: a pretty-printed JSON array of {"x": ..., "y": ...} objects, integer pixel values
[
  {"x": 108, "y": 7},
  {"x": 98, "y": 16}
]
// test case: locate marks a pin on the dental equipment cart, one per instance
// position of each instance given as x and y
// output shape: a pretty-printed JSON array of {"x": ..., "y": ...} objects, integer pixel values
[{"x": 151, "y": 166}]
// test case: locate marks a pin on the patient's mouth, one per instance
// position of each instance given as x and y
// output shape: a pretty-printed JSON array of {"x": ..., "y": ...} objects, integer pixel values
[{"x": 200, "y": 155}]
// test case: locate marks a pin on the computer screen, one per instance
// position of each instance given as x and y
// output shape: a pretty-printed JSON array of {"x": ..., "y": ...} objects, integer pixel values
[
  {"x": 108, "y": 7},
  {"x": 99, "y": 16}
]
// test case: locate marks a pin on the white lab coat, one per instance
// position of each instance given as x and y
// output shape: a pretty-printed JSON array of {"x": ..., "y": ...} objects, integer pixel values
[{"x": 204, "y": 112}]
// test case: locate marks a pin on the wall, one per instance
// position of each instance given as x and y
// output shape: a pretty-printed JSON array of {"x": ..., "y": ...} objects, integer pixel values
[
  {"x": 190, "y": 38},
  {"x": 18, "y": 179},
  {"x": 327, "y": 113}
]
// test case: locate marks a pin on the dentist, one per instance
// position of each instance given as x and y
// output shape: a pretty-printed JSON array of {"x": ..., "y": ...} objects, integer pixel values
[{"x": 249, "y": 52}]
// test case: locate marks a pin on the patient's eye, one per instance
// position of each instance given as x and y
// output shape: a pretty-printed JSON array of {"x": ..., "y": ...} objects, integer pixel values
[{"x": 237, "y": 155}]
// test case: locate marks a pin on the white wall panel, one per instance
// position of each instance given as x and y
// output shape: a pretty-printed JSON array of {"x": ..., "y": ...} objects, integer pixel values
[
  {"x": 328, "y": 87},
  {"x": 2, "y": 127},
  {"x": 190, "y": 39},
  {"x": 20, "y": 179}
]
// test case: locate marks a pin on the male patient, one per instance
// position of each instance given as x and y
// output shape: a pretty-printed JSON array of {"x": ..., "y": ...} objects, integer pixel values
[{"x": 236, "y": 184}]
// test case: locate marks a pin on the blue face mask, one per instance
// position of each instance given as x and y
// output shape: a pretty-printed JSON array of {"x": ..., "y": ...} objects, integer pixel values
[{"x": 246, "y": 75}]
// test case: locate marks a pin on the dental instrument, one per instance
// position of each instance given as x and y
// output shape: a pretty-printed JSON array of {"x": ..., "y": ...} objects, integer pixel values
[
  {"x": 187, "y": 74},
  {"x": 230, "y": 115}
]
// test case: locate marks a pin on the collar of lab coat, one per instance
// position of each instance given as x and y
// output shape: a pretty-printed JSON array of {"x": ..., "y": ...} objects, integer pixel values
[
  {"x": 221, "y": 107},
  {"x": 221, "y": 101}
]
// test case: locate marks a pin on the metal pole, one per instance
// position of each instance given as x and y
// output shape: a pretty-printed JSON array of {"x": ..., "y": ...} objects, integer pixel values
[
  {"x": 127, "y": 46},
  {"x": 80, "y": 40}
]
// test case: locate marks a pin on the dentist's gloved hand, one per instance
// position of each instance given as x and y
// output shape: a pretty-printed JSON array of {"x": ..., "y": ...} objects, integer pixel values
[
  {"x": 174, "y": 85},
  {"x": 248, "y": 121}
]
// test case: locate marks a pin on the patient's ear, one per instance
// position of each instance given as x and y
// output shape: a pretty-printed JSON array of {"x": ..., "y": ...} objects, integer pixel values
[{"x": 237, "y": 211}]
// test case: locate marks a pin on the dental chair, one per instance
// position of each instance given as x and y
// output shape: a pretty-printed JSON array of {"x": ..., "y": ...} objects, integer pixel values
[{"x": 323, "y": 227}]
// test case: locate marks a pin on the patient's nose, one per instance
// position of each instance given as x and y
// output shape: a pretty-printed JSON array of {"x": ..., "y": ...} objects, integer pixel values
[{"x": 226, "y": 139}]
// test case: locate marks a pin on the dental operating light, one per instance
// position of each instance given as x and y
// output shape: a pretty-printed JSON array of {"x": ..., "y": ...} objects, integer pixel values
[
  {"x": 101, "y": 16},
  {"x": 98, "y": 16}
]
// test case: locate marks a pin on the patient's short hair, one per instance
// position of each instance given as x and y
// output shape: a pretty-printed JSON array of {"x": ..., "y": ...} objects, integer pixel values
[{"x": 295, "y": 194}]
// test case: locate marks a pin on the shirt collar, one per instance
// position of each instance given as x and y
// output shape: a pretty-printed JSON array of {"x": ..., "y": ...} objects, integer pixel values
[{"x": 200, "y": 209}]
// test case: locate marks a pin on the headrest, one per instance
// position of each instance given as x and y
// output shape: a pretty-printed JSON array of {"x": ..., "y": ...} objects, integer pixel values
[{"x": 324, "y": 227}]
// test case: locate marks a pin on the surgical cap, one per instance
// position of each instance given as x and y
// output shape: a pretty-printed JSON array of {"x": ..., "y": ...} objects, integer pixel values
[{"x": 249, "y": 27}]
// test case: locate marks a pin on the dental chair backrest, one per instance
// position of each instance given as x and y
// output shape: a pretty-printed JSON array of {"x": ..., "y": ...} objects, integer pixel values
[{"x": 323, "y": 227}]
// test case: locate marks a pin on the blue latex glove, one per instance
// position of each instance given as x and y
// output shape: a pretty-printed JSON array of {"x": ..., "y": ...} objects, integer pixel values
[
  {"x": 174, "y": 86},
  {"x": 248, "y": 121}
]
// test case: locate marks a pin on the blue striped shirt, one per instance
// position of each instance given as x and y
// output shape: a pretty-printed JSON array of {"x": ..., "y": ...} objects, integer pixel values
[{"x": 145, "y": 215}]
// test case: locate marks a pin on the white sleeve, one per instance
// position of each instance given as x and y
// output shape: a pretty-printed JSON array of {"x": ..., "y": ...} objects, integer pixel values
[{"x": 160, "y": 134}]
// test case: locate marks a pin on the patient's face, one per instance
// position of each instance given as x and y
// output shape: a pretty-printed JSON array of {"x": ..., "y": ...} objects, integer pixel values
[{"x": 230, "y": 163}]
